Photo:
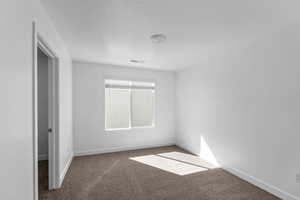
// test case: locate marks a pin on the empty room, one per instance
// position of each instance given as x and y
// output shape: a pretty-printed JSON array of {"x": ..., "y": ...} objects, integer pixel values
[{"x": 150, "y": 100}]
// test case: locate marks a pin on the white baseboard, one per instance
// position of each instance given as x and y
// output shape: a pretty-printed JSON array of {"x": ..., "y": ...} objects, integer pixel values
[
  {"x": 253, "y": 180},
  {"x": 118, "y": 149},
  {"x": 261, "y": 184},
  {"x": 65, "y": 170},
  {"x": 43, "y": 157},
  {"x": 187, "y": 149}
]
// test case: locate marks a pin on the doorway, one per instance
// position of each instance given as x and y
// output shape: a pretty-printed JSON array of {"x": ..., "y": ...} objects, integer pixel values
[
  {"x": 45, "y": 118},
  {"x": 43, "y": 121}
]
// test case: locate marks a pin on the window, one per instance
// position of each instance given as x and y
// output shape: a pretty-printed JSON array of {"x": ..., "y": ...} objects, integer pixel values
[{"x": 129, "y": 104}]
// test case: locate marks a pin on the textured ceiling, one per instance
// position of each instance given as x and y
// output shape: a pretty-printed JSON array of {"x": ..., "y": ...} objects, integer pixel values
[{"x": 116, "y": 31}]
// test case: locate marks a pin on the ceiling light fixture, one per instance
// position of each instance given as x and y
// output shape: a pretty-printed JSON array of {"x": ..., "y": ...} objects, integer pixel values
[{"x": 158, "y": 38}]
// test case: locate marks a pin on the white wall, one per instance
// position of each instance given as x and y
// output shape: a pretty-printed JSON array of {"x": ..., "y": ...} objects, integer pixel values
[
  {"x": 16, "y": 95},
  {"x": 246, "y": 106},
  {"x": 88, "y": 95},
  {"x": 48, "y": 32},
  {"x": 42, "y": 106}
]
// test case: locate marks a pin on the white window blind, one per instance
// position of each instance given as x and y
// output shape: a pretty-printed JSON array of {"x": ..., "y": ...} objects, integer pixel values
[
  {"x": 142, "y": 106},
  {"x": 129, "y": 104},
  {"x": 117, "y": 105}
]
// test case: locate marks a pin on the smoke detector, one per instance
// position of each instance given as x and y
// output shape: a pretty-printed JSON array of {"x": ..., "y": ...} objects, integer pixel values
[{"x": 158, "y": 38}]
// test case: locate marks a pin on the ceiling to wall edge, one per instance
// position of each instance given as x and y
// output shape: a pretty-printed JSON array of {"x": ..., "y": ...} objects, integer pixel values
[{"x": 145, "y": 68}]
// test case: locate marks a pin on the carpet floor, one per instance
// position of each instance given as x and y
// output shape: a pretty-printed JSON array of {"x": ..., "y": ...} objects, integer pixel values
[{"x": 135, "y": 175}]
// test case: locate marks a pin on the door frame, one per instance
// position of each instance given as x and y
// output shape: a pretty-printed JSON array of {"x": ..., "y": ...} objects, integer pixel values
[{"x": 53, "y": 111}]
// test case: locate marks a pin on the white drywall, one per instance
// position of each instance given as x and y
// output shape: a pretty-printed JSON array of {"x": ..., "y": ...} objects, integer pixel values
[
  {"x": 16, "y": 88},
  {"x": 245, "y": 106},
  {"x": 42, "y": 106},
  {"x": 49, "y": 34},
  {"x": 88, "y": 109}
]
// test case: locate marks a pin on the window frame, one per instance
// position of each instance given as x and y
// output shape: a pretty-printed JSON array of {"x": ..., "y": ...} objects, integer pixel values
[{"x": 130, "y": 110}]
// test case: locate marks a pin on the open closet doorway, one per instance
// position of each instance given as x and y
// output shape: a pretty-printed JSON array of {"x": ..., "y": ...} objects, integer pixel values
[
  {"x": 43, "y": 119},
  {"x": 46, "y": 176}
]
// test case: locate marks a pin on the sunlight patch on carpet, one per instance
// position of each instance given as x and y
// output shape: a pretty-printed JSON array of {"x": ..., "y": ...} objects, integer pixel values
[
  {"x": 188, "y": 158},
  {"x": 169, "y": 165}
]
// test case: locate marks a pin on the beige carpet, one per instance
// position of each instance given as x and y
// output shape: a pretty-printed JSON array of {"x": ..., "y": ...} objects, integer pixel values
[{"x": 150, "y": 174}]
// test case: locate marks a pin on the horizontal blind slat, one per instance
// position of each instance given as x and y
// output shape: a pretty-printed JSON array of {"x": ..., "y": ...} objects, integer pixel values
[{"x": 129, "y": 84}]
